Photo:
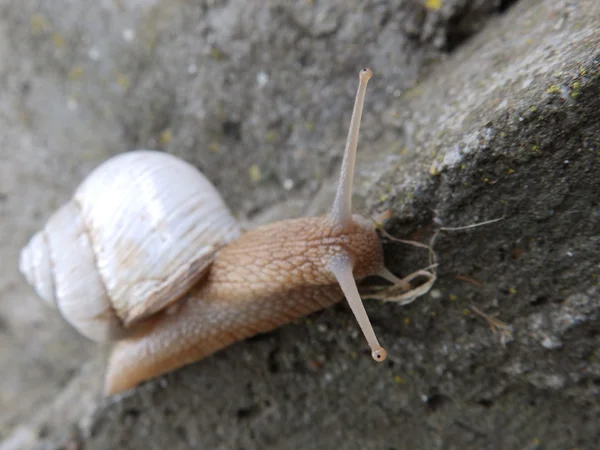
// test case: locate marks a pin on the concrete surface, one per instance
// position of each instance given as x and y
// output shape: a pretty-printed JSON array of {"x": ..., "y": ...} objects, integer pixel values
[{"x": 259, "y": 97}]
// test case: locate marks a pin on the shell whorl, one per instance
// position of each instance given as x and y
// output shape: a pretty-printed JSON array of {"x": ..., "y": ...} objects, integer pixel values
[
  {"x": 35, "y": 265},
  {"x": 140, "y": 230},
  {"x": 59, "y": 263}
]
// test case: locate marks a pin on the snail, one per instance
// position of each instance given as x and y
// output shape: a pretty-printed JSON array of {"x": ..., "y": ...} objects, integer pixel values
[{"x": 147, "y": 256}]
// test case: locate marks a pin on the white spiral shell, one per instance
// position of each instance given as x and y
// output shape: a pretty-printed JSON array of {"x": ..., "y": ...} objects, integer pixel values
[{"x": 140, "y": 230}]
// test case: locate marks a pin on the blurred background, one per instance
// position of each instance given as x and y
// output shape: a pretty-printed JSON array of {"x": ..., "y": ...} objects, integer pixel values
[{"x": 258, "y": 96}]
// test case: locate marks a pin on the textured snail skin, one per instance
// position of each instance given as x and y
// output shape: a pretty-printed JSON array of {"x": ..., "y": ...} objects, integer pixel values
[{"x": 267, "y": 278}]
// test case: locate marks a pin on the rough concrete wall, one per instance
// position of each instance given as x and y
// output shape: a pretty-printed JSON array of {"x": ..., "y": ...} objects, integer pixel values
[{"x": 259, "y": 98}]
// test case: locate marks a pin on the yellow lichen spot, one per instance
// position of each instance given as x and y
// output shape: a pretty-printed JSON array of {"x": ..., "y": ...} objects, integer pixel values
[
  {"x": 583, "y": 71},
  {"x": 24, "y": 116},
  {"x": 434, "y": 170},
  {"x": 535, "y": 148},
  {"x": 217, "y": 54},
  {"x": 554, "y": 89},
  {"x": 512, "y": 291},
  {"x": 577, "y": 85},
  {"x": 383, "y": 197},
  {"x": 255, "y": 175},
  {"x": 533, "y": 109},
  {"x": 407, "y": 321},
  {"x": 453, "y": 297},
  {"x": 486, "y": 180},
  {"x": 39, "y": 24},
  {"x": 414, "y": 92},
  {"x": 76, "y": 73},
  {"x": 166, "y": 136},
  {"x": 398, "y": 379},
  {"x": 272, "y": 136},
  {"x": 575, "y": 94},
  {"x": 466, "y": 312},
  {"x": 558, "y": 73},
  {"x": 511, "y": 170},
  {"x": 123, "y": 81},
  {"x": 214, "y": 147},
  {"x": 463, "y": 166},
  {"x": 434, "y": 5},
  {"x": 58, "y": 39}
]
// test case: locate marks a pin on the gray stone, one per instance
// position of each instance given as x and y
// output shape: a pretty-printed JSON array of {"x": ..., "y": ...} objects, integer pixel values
[{"x": 455, "y": 132}]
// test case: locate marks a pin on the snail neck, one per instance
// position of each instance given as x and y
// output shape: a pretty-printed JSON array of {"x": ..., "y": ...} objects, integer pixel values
[{"x": 293, "y": 254}]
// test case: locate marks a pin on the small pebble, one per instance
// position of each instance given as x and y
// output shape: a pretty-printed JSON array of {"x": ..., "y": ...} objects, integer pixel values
[
  {"x": 288, "y": 184},
  {"x": 94, "y": 54},
  {"x": 128, "y": 35},
  {"x": 72, "y": 104},
  {"x": 262, "y": 79}
]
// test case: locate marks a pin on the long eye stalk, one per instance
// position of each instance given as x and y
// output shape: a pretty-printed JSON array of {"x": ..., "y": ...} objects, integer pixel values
[
  {"x": 341, "y": 267},
  {"x": 342, "y": 205}
]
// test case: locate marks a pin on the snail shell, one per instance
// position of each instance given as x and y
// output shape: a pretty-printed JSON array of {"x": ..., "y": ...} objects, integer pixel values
[{"x": 138, "y": 233}]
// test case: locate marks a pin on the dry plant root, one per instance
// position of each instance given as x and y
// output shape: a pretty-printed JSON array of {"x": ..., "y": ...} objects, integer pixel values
[
  {"x": 401, "y": 291},
  {"x": 496, "y": 325}
]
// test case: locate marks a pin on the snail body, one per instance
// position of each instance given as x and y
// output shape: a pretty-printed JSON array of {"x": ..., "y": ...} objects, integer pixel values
[
  {"x": 147, "y": 254},
  {"x": 270, "y": 276}
]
